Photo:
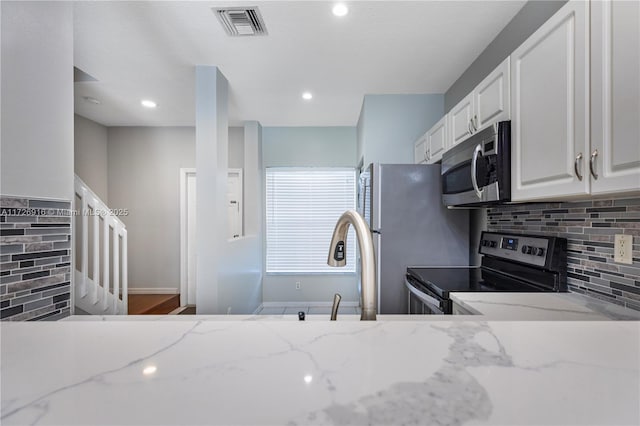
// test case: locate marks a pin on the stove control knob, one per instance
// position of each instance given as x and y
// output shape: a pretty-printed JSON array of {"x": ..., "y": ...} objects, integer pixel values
[
  {"x": 484, "y": 243},
  {"x": 524, "y": 249},
  {"x": 492, "y": 243},
  {"x": 539, "y": 251}
]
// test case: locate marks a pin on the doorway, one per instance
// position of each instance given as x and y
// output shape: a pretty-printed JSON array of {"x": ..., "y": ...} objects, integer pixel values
[
  {"x": 234, "y": 203},
  {"x": 188, "y": 226}
]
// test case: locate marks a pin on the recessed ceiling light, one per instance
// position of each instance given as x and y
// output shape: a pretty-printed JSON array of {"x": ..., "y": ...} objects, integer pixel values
[
  {"x": 148, "y": 104},
  {"x": 91, "y": 100},
  {"x": 340, "y": 9},
  {"x": 307, "y": 96},
  {"x": 149, "y": 370}
]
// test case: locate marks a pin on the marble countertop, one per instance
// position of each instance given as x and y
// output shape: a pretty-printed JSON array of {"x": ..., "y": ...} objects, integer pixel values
[
  {"x": 274, "y": 372},
  {"x": 541, "y": 306}
]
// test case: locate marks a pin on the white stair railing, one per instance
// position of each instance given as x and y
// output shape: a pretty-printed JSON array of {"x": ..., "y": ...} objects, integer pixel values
[{"x": 98, "y": 294}]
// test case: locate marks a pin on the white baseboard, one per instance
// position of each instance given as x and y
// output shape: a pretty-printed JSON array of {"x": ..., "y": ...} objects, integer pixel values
[
  {"x": 310, "y": 304},
  {"x": 153, "y": 290}
]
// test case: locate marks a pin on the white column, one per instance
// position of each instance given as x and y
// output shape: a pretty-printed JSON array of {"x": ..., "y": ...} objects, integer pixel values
[
  {"x": 211, "y": 167},
  {"x": 36, "y": 126}
]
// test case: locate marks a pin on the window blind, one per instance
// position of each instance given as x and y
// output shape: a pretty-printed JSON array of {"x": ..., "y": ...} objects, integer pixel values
[{"x": 302, "y": 208}]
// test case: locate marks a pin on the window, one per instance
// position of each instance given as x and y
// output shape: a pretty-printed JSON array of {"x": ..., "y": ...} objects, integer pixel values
[{"x": 302, "y": 208}]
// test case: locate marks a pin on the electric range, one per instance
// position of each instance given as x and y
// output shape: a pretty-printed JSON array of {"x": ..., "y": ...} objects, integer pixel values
[{"x": 510, "y": 263}]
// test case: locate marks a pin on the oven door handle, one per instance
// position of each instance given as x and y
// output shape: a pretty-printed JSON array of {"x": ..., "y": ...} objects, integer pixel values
[
  {"x": 425, "y": 298},
  {"x": 474, "y": 169}
]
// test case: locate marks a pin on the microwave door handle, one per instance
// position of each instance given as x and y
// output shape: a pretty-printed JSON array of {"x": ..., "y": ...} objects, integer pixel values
[{"x": 474, "y": 168}]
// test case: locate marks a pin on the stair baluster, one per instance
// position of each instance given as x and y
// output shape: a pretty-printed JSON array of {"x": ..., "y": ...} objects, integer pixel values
[{"x": 112, "y": 298}]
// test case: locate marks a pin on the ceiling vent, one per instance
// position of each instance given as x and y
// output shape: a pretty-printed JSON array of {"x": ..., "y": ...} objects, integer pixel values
[{"x": 241, "y": 21}]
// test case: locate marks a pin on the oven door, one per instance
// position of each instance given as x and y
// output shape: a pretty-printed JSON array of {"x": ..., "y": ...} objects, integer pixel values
[{"x": 421, "y": 302}]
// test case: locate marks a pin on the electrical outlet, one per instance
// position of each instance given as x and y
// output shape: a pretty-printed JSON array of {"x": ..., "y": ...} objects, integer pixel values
[
  {"x": 622, "y": 249},
  {"x": 297, "y": 285}
]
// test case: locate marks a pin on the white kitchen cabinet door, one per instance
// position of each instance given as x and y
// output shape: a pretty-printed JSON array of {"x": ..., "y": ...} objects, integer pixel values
[
  {"x": 420, "y": 150},
  {"x": 460, "y": 120},
  {"x": 491, "y": 97},
  {"x": 437, "y": 140},
  {"x": 550, "y": 108},
  {"x": 615, "y": 59}
]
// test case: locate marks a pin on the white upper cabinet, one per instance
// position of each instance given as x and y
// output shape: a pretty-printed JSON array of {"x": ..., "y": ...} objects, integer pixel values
[
  {"x": 487, "y": 103},
  {"x": 615, "y": 96},
  {"x": 491, "y": 98},
  {"x": 429, "y": 148},
  {"x": 550, "y": 108},
  {"x": 420, "y": 150},
  {"x": 437, "y": 140},
  {"x": 460, "y": 120}
]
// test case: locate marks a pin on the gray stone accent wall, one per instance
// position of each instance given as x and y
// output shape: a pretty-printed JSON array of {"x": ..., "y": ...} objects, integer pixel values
[
  {"x": 35, "y": 259},
  {"x": 589, "y": 227}
]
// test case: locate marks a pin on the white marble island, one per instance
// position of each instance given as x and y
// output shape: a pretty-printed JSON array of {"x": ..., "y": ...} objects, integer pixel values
[{"x": 319, "y": 372}]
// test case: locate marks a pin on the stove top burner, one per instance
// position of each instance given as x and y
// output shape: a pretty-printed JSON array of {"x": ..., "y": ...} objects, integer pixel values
[
  {"x": 443, "y": 281},
  {"x": 510, "y": 263}
]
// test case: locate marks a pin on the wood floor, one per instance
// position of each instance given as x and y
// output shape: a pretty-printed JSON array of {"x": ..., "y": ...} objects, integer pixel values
[{"x": 153, "y": 304}]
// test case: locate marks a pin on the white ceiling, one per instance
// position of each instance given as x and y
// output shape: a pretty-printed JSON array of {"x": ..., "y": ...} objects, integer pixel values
[{"x": 148, "y": 50}]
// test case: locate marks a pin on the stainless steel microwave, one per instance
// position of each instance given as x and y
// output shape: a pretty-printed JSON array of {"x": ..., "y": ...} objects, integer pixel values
[{"x": 477, "y": 171}]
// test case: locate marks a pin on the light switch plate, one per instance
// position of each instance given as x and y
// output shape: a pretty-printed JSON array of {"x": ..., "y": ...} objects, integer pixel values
[{"x": 622, "y": 249}]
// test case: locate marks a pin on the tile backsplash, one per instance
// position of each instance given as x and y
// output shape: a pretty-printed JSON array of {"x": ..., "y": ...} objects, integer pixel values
[
  {"x": 589, "y": 228},
  {"x": 35, "y": 259}
]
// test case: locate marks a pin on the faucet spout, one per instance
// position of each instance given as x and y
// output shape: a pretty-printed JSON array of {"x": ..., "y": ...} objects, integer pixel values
[{"x": 338, "y": 256}]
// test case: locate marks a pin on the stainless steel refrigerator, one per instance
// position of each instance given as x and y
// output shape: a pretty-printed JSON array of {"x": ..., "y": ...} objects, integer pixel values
[{"x": 410, "y": 226}]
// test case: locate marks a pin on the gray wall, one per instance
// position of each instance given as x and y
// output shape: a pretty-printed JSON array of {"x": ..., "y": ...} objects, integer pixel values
[
  {"x": 90, "y": 155},
  {"x": 37, "y": 99},
  {"x": 236, "y": 147},
  {"x": 309, "y": 147},
  {"x": 526, "y": 22},
  {"x": 144, "y": 165},
  {"x": 253, "y": 186},
  {"x": 389, "y": 125}
]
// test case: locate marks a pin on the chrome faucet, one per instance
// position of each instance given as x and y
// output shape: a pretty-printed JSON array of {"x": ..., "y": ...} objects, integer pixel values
[
  {"x": 338, "y": 257},
  {"x": 334, "y": 309}
]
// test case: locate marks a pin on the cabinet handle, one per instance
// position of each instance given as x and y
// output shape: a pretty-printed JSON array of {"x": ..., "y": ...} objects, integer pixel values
[
  {"x": 594, "y": 154},
  {"x": 474, "y": 123},
  {"x": 428, "y": 154},
  {"x": 575, "y": 166},
  {"x": 469, "y": 127}
]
